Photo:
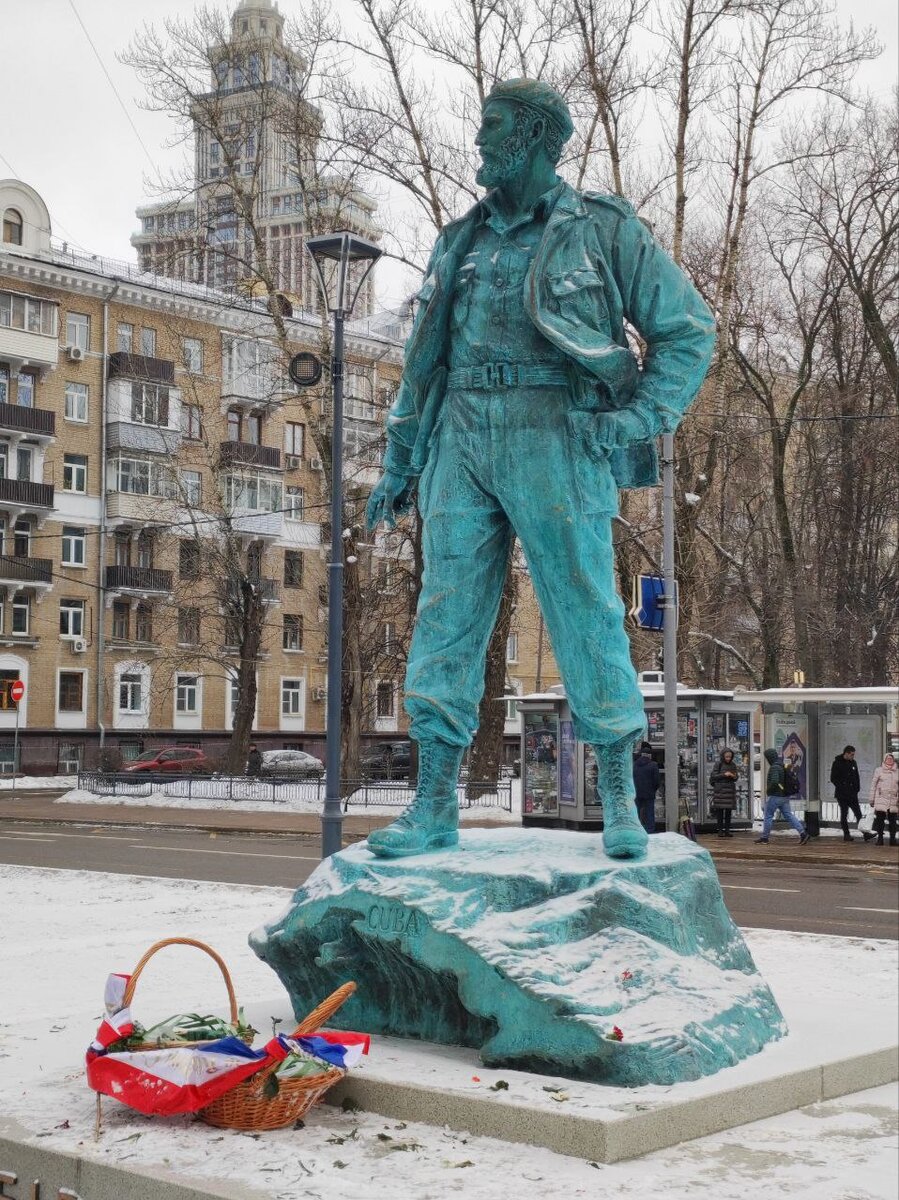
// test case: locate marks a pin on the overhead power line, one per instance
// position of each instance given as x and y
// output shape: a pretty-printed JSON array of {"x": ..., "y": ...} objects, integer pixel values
[{"x": 115, "y": 90}]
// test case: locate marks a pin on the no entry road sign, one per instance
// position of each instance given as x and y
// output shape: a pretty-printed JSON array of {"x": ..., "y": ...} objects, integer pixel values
[{"x": 17, "y": 691}]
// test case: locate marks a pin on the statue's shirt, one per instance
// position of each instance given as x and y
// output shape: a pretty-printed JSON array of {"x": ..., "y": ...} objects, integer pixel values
[{"x": 489, "y": 323}]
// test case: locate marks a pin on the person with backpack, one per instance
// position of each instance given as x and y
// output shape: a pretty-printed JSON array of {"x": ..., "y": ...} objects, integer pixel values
[
  {"x": 846, "y": 787},
  {"x": 647, "y": 778},
  {"x": 724, "y": 791},
  {"x": 777, "y": 799}
]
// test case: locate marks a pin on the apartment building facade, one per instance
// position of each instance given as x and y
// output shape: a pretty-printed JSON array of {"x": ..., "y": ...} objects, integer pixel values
[{"x": 135, "y": 415}]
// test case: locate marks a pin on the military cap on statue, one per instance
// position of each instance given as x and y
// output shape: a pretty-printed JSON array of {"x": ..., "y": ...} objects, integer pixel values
[{"x": 538, "y": 96}]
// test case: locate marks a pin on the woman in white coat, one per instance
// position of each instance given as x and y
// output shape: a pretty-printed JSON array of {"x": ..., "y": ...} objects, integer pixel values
[{"x": 884, "y": 798}]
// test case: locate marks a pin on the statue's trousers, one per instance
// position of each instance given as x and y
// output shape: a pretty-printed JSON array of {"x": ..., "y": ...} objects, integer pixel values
[{"x": 502, "y": 463}]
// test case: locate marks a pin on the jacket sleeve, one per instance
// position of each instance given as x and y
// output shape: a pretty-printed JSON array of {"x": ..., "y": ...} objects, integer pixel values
[
  {"x": 673, "y": 320},
  {"x": 834, "y": 774},
  {"x": 875, "y": 779},
  {"x": 403, "y": 417}
]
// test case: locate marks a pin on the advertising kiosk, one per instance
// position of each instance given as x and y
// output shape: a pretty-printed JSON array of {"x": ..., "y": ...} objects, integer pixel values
[{"x": 559, "y": 785}]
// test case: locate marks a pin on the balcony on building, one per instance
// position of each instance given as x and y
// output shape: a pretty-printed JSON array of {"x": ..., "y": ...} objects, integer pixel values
[
  {"x": 249, "y": 454},
  {"x": 148, "y": 439},
  {"x": 20, "y": 570},
  {"x": 29, "y": 332},
  {"x": 138, "y": 581},
  {"x": 269, "y": 589},
  {"x": 38, "y": 424},
  {"x": 20, "y": 495},
  {"x": 141, "y": 367},
  {"x": 140, "y": 508}
]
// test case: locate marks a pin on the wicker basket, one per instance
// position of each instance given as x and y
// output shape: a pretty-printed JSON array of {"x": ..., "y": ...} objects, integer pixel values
[
  {"x": 248, "y": 1107},
  {"x": 182, "y": 941}
]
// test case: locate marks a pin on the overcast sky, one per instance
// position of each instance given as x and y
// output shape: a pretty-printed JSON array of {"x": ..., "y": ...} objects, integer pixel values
[{"x": 66, "y": 135}]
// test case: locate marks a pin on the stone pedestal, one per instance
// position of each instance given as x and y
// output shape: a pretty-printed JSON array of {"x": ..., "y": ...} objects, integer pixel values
[{"x": 535, "y": 948}]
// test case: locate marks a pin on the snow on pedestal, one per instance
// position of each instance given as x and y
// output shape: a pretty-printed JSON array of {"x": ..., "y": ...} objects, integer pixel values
[{"x": 536, "y": 949}]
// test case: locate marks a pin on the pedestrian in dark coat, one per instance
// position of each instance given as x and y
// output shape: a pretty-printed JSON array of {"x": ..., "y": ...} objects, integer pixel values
[
  {"x": 846, "y": 787},
  {"x": 254, "y": 761},
  {"x": 647, "y": 778},
  {"x": 724, "y": 791}
]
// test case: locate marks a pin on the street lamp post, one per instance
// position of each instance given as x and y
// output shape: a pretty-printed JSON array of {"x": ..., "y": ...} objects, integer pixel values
[{"x": 334, "y": 255}]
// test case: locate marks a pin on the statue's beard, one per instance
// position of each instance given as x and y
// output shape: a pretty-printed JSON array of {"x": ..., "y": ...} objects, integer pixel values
[{"x": 504, "y": 165}]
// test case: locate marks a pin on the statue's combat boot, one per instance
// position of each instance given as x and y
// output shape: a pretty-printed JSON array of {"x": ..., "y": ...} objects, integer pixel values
[
  {"x": 432, "y": 820},
  {"x": 622, "y": 836}
]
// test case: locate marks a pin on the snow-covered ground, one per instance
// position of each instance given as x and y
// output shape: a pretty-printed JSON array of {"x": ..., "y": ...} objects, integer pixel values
[
  {"x": 62, "y": 932},
  {"x": 36, "y": 783},
  {"x": 249, "y": 796}
]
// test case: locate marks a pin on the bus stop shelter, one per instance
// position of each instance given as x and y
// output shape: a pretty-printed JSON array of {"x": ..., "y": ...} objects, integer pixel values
[{"x": 809, "y": 726}]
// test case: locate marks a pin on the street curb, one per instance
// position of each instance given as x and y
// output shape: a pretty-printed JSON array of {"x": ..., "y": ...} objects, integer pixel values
[
  {"x": 629, "y": 1135},
  {"x": 803, "y": 857}
]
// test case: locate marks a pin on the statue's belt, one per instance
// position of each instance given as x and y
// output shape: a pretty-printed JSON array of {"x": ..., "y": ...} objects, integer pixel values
[{"x": 506, "y": 375}]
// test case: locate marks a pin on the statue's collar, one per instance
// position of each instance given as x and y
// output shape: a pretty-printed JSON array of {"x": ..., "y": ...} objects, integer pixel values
[{"x": 490, "y": 213}]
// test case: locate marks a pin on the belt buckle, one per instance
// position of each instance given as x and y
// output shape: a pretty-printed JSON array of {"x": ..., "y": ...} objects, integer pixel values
[{"x": 496, "y": 375}]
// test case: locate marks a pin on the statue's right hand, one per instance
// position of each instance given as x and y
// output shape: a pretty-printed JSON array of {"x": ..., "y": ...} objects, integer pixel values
[{"x": 390, "y": 498}]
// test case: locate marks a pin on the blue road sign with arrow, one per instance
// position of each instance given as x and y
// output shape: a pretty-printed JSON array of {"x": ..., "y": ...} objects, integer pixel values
[{"x": 649, "y": 602}]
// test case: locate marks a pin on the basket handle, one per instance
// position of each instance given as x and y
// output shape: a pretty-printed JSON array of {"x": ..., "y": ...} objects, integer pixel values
[
  {"x": 326, "y": 1009},
  {"x": 182, "y": 941}
]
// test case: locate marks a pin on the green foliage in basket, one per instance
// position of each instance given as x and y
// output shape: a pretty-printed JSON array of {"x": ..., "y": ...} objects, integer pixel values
[{"x": 184, "y": 1027}]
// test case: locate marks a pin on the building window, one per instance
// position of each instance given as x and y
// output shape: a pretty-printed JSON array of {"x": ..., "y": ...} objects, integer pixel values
[
  {"x": 294, "y": 503},
  {"x": 24, "y": 462},
  {"x": 385, "y": 700},
  {"x": 188, "y": 560},
  {"x": 143, "y": 623},
  {"x": 148, "y": 343},
  {"x": 187, "y": 695},
  {"x": 149, "y": 404},
  {"x": 69, "y": 758},
  {"x": 25, "y": 389},
  {"x": 192, "y": 483},
  {"x": 234, "y": 425},
  {"x": 71, "y": 618},
  {"x": 253, "y": 492},
  {"x": 294, "y": 438},
  {"x": 74, "y": 542},
  {"x": 146, "y": 546},
  {"x": 12, "y": 227},
  {"x": 292, "y": 697},
  {"x": 130, "y": 692},
  {"x": 125, "y": 338},
  {"x": 191, "y": 421},
  {"x": 74, "y": 473},
  {"x": 21, "y": 539},
  {"x": 27, "y": 313},
  {"x": 121, "y": 620},
  {"x": 293, "y": 632},
  {"x": 512, "y": 648},
  {"x": 4, "y": 383},
  {"x": 71, "y": 691},
  {"x": 78, "y": 330},
  {"x": 389, "y": 632},
  {"x": 192, "y": 354},
  {"x": 76, "y": 402},
  {"x": 21, "y": 614},
  {"x": 293, "y": 568},
  {"x": 189, "y": 626},
  {"x": 253, "y": 430}
]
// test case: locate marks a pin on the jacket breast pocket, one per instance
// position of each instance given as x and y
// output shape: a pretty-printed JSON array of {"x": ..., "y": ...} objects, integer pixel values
[
  {"x": 462, "y": 294},
  {"x": 580, "y": 295}
]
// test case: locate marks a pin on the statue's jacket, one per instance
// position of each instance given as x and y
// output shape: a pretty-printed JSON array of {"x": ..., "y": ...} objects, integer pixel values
[{"x": 597, "y": 266}]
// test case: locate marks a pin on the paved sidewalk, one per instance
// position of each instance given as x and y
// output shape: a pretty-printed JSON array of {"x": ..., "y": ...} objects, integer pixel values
[{"x": 783, "y": 847}]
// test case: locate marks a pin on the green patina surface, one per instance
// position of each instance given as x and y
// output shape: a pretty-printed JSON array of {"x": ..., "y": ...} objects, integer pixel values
[{"x": 532, "y": 946}]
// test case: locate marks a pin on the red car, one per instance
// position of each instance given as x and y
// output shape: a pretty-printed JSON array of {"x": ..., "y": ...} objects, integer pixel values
[{"x": 180, "y": 760}]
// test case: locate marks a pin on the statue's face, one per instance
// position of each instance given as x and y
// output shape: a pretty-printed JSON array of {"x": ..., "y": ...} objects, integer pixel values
[{"x": 504, "y": 141}]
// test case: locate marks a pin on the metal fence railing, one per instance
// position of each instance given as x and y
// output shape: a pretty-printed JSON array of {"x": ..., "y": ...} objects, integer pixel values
[
  {"x": 829, "y": 809},
  {"x": 356, "y": 794}
]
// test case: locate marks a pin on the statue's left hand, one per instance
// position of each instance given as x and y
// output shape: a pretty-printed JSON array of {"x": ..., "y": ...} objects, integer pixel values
[{"x": 390, "y": 498}]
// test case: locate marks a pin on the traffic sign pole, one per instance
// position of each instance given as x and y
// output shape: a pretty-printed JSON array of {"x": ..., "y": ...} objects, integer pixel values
[{"x": 17, "y": 693}]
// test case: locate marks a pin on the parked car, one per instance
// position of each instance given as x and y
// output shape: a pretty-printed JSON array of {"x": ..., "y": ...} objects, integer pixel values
[
  {"x": 296, "y": 764},
  {"x": 174, "y": 760},
  {"x": 387, "y": 760}
]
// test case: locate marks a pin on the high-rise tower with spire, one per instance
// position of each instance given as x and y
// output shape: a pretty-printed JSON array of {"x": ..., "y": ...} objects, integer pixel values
[{"x": 258, "y": 185}]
